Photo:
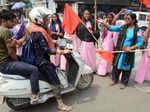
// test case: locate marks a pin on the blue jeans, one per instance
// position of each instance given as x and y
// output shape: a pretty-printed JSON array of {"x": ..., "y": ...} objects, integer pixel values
[
  {"x": 25, "y": 70},
  {"x": 50, "y": 71}
]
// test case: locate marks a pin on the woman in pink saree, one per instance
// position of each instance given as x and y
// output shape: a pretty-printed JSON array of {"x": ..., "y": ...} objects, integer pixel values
[
  {"x": 108, "y": 43},
  {"x": 143, "y": 72}
]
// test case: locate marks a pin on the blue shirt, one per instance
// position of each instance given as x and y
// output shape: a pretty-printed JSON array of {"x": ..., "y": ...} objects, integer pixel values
[{"x": 127, "y": 43}]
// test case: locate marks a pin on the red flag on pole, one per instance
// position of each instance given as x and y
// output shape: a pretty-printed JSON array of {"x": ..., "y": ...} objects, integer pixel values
[
  {"x": 107, "y": 55},
  {"x": 146, "y": 3},
  {"x": 70, "y": 20}
]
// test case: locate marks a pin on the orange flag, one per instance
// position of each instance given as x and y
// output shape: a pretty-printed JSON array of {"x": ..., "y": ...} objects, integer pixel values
[
  {"x": 146, "y": 3},
  {"x": 107, "y": 55},
  {"x": 70, "y": 20}
]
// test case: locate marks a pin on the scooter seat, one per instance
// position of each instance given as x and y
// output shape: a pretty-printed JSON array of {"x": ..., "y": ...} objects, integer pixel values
[{"x": 14, "y": 77}]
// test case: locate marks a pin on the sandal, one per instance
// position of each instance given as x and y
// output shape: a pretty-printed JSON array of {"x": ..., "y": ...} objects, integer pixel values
[
  {"x": 65, "y": 108},
  {"x": 122, "y": 86},
  {"x": 113, "y": 84}
]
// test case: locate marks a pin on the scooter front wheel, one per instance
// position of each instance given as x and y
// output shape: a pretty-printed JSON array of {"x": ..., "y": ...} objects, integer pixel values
[
  {"x": 85, "y": 81},
  {"x": 17, "y": 103}
]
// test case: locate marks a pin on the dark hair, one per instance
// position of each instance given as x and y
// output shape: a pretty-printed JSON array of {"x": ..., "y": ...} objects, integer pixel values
[
  {"x": 133, "y": 16},
  {"x": 7, "y": 15},
  {"x": 90, "y": 19},
  {"x": 86, "y": 10},
  {"x": 111, "y": 14},
  {"x": 58, "y": 19}
]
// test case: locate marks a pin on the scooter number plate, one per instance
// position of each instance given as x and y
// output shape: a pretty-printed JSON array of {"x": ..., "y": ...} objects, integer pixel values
[{"x": 1, "y": 99}]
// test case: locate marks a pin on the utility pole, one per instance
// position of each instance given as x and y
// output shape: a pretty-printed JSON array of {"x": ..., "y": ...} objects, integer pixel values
[
  {"x": 47, "y": 4},
  {"x": 140, "y": 8}
]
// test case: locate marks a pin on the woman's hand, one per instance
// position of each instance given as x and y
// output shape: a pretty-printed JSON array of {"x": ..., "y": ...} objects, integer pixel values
[
  {"x": 63, "y": 51},
  {"x": 59, "y": 34},
  {"x": 67, "y": 51},
  {"x": 100, "y": 20},
  {"x": 54, "y": 41},
  {"x": 103, "y": 23},
  {"x": 134, "y": 47},
  {"x": 122, "y": 10},
  {"x": 127, "y": 49},
  {"x": 54, "y": 33}
]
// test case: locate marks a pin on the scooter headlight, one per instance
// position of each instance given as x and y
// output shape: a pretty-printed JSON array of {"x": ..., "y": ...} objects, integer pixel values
[{"x": 69, "y": 46}]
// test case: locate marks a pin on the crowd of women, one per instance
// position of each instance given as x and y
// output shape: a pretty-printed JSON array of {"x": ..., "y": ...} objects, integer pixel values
[
  {"x": 117, "y": 36},
  {"x": 129, "y": 38},
  {"x": 112, "y": 35}
]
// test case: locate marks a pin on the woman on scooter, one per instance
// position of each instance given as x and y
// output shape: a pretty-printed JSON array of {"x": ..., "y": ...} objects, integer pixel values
[{"x": 43, "y": 47}]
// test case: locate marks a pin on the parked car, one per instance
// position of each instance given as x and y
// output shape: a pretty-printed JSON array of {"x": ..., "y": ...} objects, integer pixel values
[{"x": 142, "y": 18}]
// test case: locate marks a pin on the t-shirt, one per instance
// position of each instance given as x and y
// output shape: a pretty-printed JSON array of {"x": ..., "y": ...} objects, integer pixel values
[{"x": 5, "y": 35}]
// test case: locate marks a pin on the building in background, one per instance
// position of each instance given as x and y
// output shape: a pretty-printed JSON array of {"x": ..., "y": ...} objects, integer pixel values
[
  {"x": 2, "y": 2},
  {"x": 79, "y": 5},
  {"x": 103, "y": 5},
  {"x": 45, "y": 3}
]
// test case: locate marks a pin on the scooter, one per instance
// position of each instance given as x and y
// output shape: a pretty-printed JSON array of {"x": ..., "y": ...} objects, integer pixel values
[{"x": 15, "y": 90}]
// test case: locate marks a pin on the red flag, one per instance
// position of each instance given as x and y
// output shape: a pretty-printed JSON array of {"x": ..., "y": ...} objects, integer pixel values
[
  {"x": 107, "y": 55},
  {"x": 146, "y": 3},
  {"x": 70, "y": 20}
]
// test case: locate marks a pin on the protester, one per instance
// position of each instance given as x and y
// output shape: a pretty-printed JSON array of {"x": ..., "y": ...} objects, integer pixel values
[
  {"x": 57, "y": 33},
  {"x": 18, "y": 32},
  {"x": 87, "y": 47},
  {"x": 107, "y": 45},
  {"x": 43, "y": 47},
  {"x": 125, "y": 13},
  {"x": 144, "y": 73},
  {"x": 18, "y": 29},
  {"x": 9, "y": 63},
  {"x": 109, "y": 41},
  {"x": 130, "y": 38}
]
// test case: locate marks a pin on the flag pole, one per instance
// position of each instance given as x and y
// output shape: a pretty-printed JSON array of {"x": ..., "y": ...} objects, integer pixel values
[
  {"x": 90, "y": 32},
  {"x": 95, "y": 14},
  {"x": 132, "y": 51},
  {"x": 140, "y": 8},
  {"x": 95, "y": 20}
]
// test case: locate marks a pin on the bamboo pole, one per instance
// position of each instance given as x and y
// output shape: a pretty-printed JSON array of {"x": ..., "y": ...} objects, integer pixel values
[
  {"x": 90, "y": 32},
  {"x": 140, "y": 8},
  {"x": 95, "y": 13},
  {"x": 139, "y": 50}
]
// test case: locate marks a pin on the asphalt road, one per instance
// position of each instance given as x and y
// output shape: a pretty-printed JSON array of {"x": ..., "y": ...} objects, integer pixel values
[{"x": 101, "y": 98}]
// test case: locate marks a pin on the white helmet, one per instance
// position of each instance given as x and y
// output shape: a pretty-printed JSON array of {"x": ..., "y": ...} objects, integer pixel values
[{"x": 38, "y": 14}]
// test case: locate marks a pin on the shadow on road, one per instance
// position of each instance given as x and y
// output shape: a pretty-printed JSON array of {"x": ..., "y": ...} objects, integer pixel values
[{"x": 73, "y": 98}]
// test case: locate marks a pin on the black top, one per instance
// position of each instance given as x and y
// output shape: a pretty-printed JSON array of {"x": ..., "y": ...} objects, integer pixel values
[
  {"x": 41, "y": 48},
  {"x": 83, "y": 33}
]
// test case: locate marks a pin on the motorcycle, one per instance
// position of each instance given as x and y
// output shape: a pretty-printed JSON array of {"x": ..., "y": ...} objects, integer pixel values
[{"x": 15, "y": 90}]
